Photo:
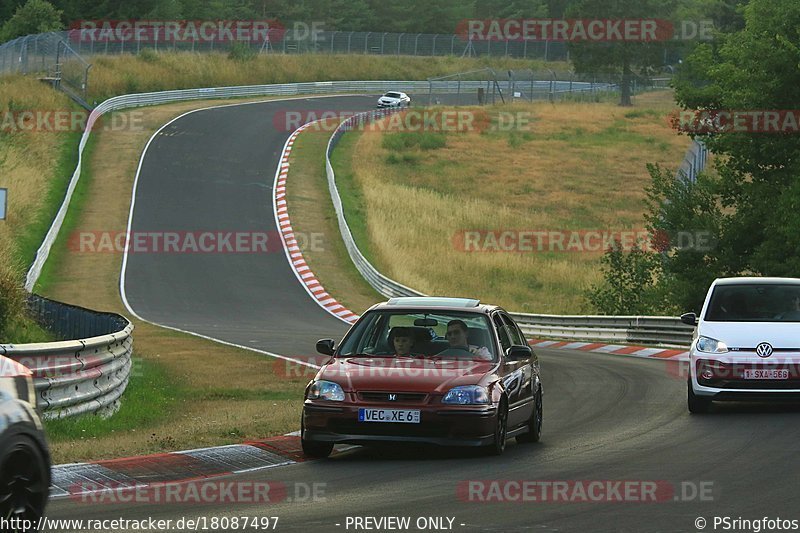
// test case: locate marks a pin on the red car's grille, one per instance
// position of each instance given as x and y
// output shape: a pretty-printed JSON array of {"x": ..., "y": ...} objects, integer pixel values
[
  {"x": 353, "y": 427},
  {"x": 392, "y": 397}
]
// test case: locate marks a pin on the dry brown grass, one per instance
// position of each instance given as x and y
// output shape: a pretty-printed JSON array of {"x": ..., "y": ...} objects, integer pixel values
[
  {"x": 113, "y": 75},
  {"x": 582, "y": 167},
  {"x": 28, "y": 159}
]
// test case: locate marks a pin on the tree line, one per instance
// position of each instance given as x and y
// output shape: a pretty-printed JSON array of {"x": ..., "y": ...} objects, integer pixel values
[{"x": 410, "y": 16}]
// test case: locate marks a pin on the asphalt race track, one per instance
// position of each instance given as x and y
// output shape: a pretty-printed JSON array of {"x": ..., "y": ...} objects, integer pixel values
[
  {"x": 605, "y": 417},
  {"x": 213, "y": 170}
]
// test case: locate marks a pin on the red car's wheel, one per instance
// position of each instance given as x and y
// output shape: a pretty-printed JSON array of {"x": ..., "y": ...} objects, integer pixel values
[
  {"x": 498, "y": 445},
  {"x": 535, "y": 423},
  {"x": 313, "y": 448}
]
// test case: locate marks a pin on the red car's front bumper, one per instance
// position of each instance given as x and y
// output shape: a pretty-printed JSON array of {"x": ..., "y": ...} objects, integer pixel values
[{"x": 439, "y": 424}]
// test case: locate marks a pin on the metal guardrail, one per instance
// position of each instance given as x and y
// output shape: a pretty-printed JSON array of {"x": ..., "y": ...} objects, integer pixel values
[
  {"x": 74, "y": 377},
  {"x": 694, "y": 162},
  {"x": 663, "y": 331}
]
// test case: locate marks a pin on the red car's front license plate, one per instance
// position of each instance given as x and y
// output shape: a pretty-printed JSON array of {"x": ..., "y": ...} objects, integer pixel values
[{"x": 407, "y": 416}]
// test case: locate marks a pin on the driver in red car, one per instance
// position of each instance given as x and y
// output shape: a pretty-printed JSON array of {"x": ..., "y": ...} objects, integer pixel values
[{"x": 457, "y": 337}]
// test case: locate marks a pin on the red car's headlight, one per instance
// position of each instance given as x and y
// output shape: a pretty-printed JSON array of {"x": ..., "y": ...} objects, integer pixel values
[{"x": 325, "y": 390}]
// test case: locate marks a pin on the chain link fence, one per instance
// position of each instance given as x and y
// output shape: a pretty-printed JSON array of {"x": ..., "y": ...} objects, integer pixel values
[
  {"x": 50, "y": 56},
  {"x": 62, "y": 58},
  {"x": 319, "y": 42}
]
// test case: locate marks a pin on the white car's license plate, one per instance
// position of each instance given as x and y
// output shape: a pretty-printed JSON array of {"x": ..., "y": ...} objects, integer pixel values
[
  {"x": 407, "y": 416},
  {"x": 751, "y": 373}
]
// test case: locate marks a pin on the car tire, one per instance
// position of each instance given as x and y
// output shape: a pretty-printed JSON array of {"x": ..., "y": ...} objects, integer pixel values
[
  {"x": 498, "y": 445},
  {"x": 315, "y": 449},
  {"x": 535, "y": 423},
  {"x": 697, "y": 404},
  {"x": 24, "y": 482}
]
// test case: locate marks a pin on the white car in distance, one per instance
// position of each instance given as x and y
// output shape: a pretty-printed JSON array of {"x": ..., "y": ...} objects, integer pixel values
[{"x": 394, "y": 99}]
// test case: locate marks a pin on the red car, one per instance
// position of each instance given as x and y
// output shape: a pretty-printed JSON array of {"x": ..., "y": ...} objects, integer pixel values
[{"x": 446, "y": 371}]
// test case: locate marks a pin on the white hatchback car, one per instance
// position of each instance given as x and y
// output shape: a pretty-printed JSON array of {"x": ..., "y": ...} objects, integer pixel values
[
  {"x": 394, "y": 99},
  {"x": 747, "y": 342}
]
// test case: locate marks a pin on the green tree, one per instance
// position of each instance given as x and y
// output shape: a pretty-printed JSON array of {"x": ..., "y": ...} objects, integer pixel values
[
  {"x": 753, "y": 205},
  {"x": 630, "y": 285},
  {"x": 495, "y": 9},
  {"x": 687, "y": 222},
  {"x": 35, "y": 16},
  {"x": 755, "y": 68},
  {"x": 623, "y": 58}
]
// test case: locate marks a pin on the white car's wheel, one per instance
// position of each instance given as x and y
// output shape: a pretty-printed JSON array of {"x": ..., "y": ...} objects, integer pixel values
[{"x": 697, "y": 404}]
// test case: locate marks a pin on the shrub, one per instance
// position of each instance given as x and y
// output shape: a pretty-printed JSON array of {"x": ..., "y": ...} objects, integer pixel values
[
  {"x": 630, "y": 285},
  {"x": 241, "y": 52}
]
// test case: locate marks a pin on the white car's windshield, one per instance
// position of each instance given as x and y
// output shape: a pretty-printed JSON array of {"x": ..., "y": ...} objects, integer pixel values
[{"x": 754, "y": 303}]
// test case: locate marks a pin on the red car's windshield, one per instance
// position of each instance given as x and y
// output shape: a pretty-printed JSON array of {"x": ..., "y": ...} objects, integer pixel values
[{"x": 447, "y": 334}]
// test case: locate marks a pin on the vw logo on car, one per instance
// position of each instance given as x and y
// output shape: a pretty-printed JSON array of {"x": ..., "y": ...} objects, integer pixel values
[{"x": 764, "y": 349}]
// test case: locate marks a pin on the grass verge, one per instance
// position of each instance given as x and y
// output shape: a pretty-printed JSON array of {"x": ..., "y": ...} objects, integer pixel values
[
  {"x": 114, "y": 75},
  {"x": 196, "y": 408},
  {"x": 574, "y": 168}
]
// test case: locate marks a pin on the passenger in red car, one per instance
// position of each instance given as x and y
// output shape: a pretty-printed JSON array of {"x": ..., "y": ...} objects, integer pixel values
[{"x": 402, "y": 340}]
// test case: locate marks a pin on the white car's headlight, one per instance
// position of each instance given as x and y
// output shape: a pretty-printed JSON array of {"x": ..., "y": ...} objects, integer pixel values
[
  {"x": 325, "y": 390},
  {"x": 467, "y": 395},
  {"x": 709, "y": 345}
]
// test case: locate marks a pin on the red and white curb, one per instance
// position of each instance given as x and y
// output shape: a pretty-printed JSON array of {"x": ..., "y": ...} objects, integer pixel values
[
  {"x": 293, "y": 253},
  {"x": 167, "y": 469},
  {"x": 665, "y": 354}
]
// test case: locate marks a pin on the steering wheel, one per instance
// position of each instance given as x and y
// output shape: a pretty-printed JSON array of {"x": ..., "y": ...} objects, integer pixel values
[{"x": 454, "y": 352}]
